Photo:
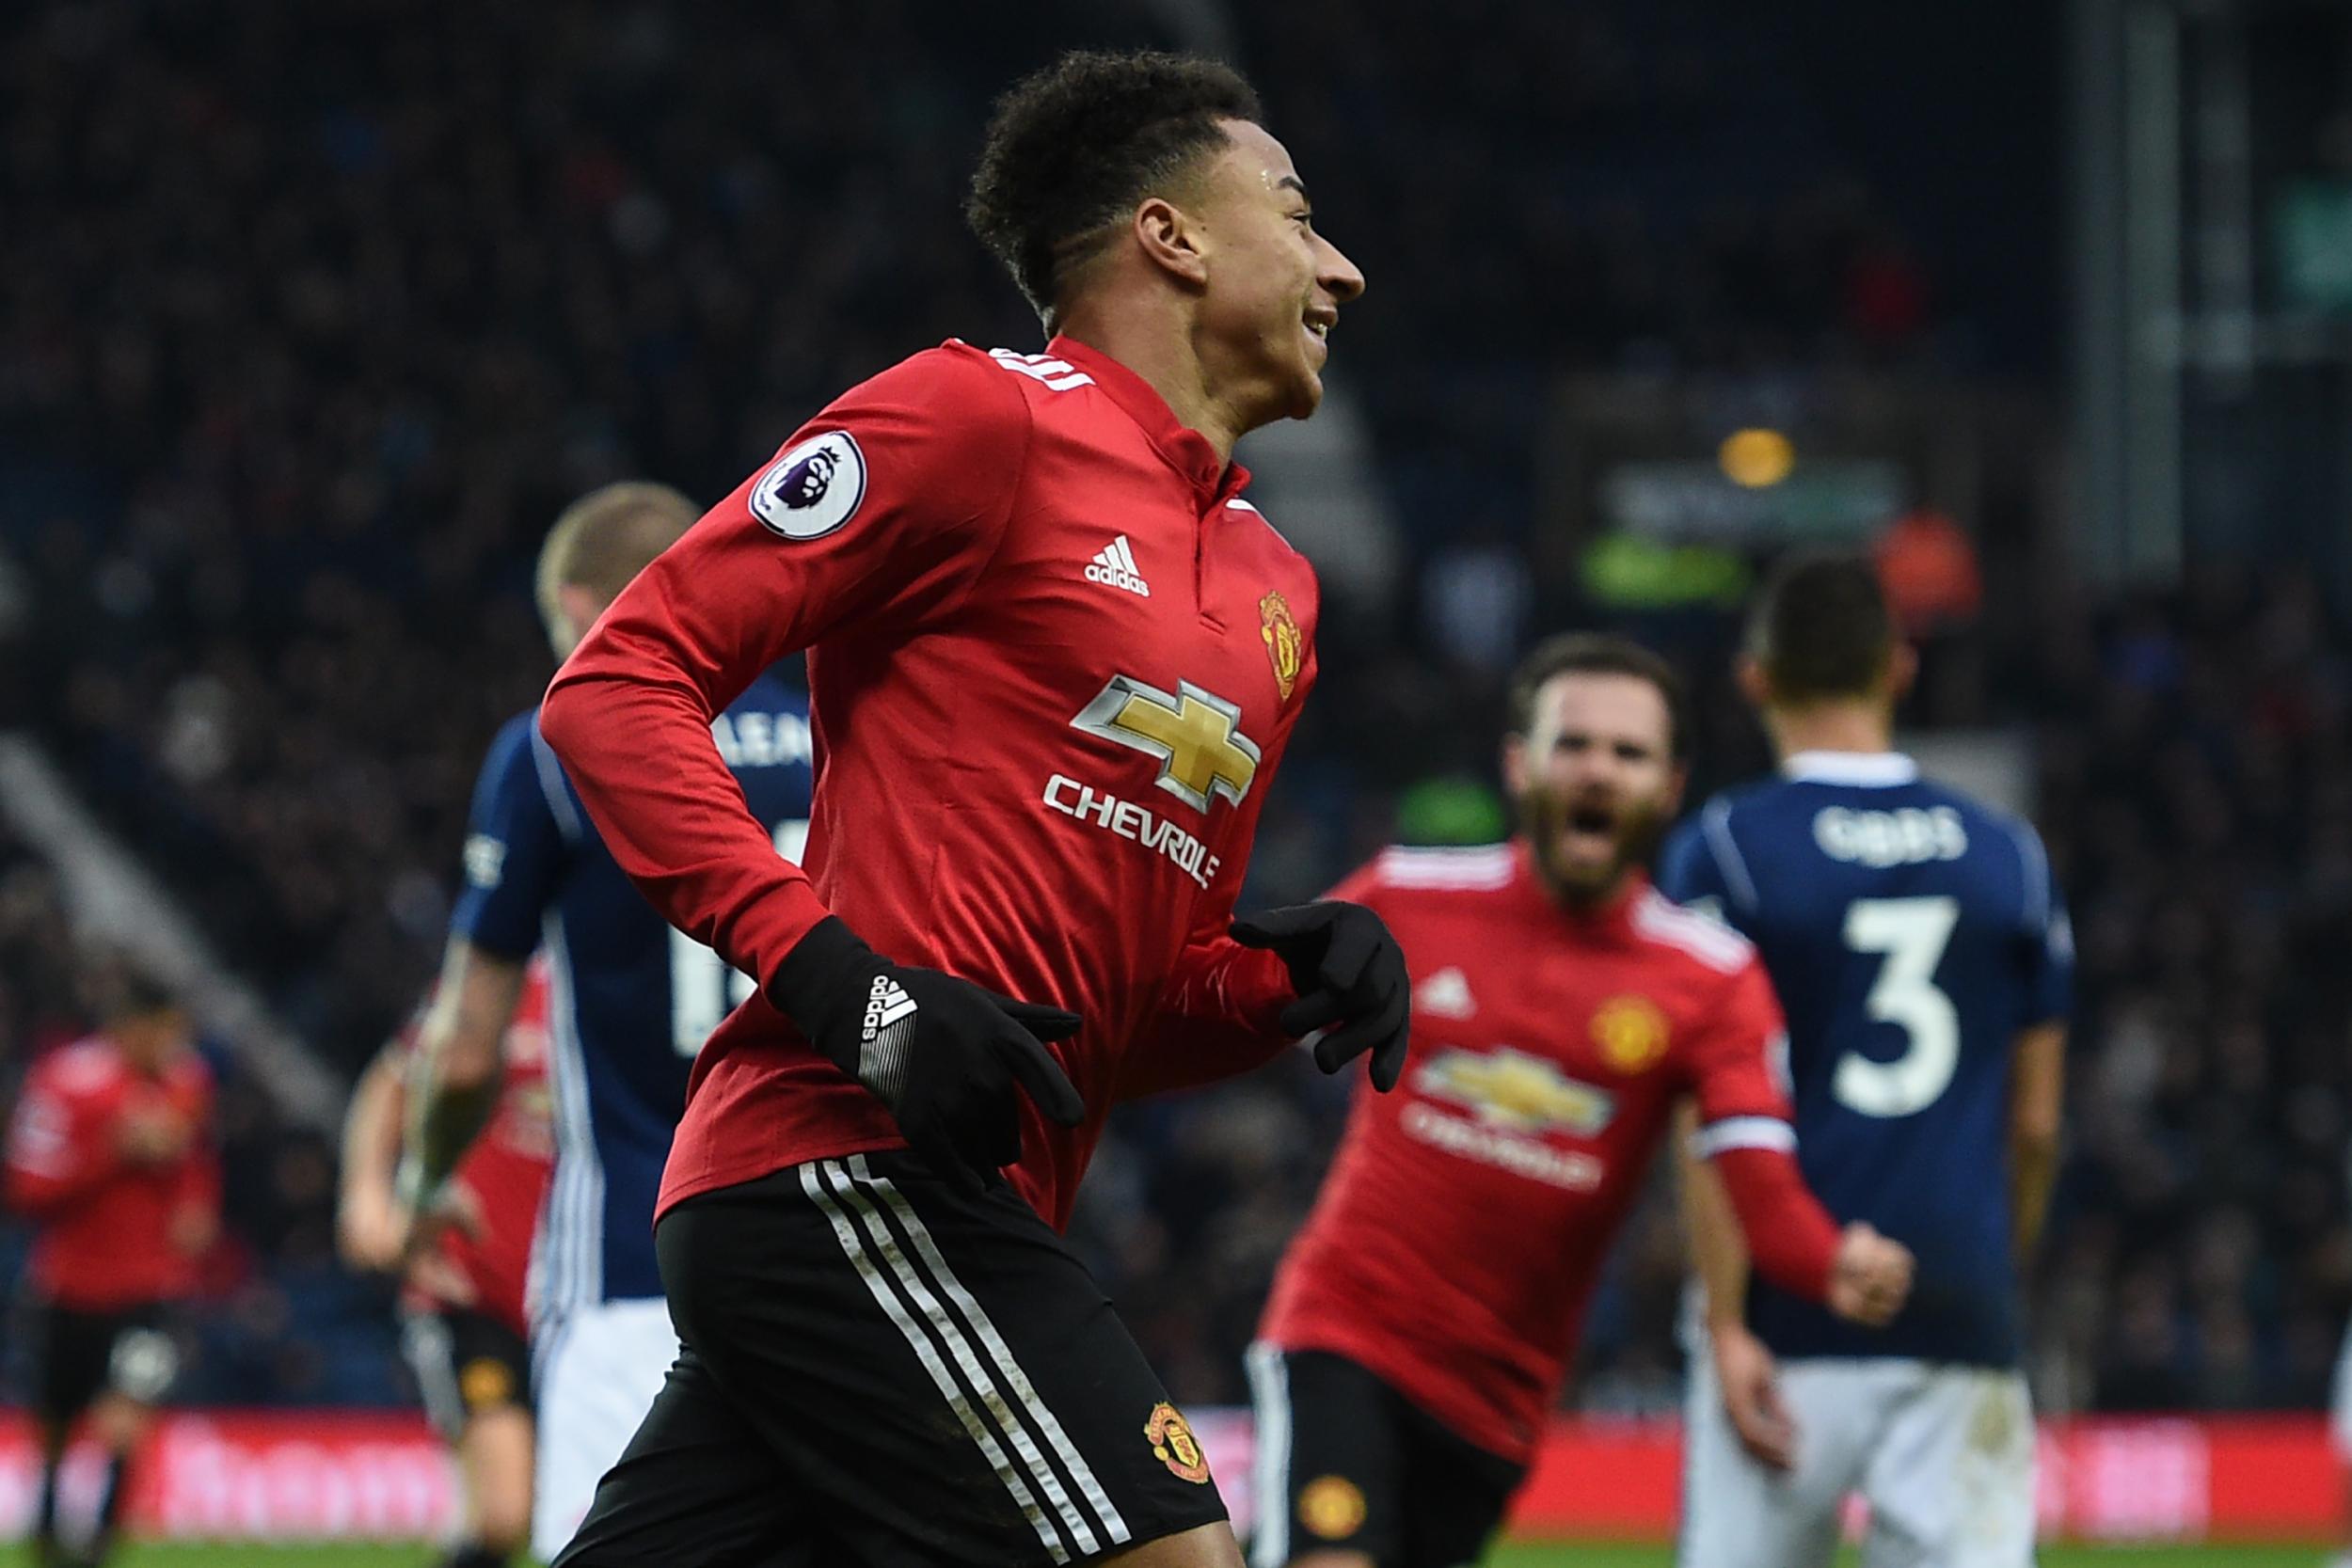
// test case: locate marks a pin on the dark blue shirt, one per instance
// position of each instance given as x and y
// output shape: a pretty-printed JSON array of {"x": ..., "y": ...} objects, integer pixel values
[
  {"x": 632, "y": 999},
  {"x": 1911, "y": 933}
]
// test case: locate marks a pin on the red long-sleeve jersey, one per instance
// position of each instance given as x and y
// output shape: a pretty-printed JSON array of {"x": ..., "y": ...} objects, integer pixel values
[
  {"x": 506, "y": 1172},
  {"x": 1466, "y": 1218},
  {"x": 104, "y": 1223},
  {"x": 1054, "y": 660}
]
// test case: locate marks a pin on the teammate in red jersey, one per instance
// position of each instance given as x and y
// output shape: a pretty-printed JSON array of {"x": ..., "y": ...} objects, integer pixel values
[
  {"x": 1421, "y": 1326},
  {"x": 1053, "y": 660},
  {"x": 109, "y": 1155},
  {"x": 464, "y": 1324}
]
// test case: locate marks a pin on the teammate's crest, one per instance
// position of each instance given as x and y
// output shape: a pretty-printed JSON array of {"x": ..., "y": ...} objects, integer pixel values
[
  {"x": 1286, "y": 644},
  {"x": 812, "y": 489},
  {"x": 1331, "y": 1506},
  {"x": 485, "y": 1381},
  {"x": 1632, "y": 1033},
  {"x": 1174, "y": 1446}
]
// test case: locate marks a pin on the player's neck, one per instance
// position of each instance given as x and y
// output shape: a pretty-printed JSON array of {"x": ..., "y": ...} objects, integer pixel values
[
  {"x": 1157, "y": 346},
  {"x": 1862, "y": 727}
]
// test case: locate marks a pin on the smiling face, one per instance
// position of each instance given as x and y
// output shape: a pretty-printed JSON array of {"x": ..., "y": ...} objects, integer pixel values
[
  {"x": 1271, "y": 287},
  {"x": 1595, "y": 779}
]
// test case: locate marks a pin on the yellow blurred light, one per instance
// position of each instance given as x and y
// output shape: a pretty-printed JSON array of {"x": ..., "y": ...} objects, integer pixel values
[{"x": 1756, "y": 459}]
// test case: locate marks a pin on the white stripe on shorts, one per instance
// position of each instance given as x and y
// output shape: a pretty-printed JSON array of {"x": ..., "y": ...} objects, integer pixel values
[
  {"x": 846, "y": 1232},
  {"x": 1104, "y": 1509},
  {"x": 951, "y": 1334},
  {"x": 1270, "y": 1393}
]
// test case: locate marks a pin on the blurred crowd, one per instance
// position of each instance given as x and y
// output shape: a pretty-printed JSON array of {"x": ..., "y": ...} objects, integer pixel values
[{"x": 315, "y": 316}]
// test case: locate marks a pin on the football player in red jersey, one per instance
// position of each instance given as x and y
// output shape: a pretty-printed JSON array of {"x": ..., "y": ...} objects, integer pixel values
[
  {"x": 1055, "y": 657},
  {"x": 1423, "y": 1320},
  {"x": 465, "y": 1326},
  {"x": 110, "y": 1156}
]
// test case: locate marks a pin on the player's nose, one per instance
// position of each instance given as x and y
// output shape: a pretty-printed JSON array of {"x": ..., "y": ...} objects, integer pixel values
[{"x": 1339, "y": 276}]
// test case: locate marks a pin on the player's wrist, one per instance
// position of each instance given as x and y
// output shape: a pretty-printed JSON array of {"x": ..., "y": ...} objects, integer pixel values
[
  {"x": 823, "y": 986},
  {"x": 413, "y": 1186}
]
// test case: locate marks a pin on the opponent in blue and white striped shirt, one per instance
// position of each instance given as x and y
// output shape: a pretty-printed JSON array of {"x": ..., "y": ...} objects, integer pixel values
[
  {"x": 633, "y": 1000},
  {"x": 1923, "y": 960}
]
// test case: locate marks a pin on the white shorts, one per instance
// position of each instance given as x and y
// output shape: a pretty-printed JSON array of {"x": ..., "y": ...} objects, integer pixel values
[
  {"x": 2339, "y": 1404},
  {"x": 1943, "y": 1454},
  {"x": 598, "y": 1369}
]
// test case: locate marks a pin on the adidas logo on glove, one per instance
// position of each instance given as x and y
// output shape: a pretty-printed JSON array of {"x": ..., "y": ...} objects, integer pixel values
[{"x": 886, "y": 1003}]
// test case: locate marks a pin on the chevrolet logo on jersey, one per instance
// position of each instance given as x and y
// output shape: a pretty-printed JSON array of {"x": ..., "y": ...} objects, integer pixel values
[
  {"x": 1195, "y": 734},
  {"x": 1519, "y": 1092}
]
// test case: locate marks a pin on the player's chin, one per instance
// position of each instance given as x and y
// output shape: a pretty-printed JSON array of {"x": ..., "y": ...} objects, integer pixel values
[
  {"x": 1306, "y": 392},
  {"x": 1584, "y": 869}
]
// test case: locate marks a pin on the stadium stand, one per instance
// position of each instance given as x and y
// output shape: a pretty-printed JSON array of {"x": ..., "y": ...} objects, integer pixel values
[{"x": 314, "y": 324}]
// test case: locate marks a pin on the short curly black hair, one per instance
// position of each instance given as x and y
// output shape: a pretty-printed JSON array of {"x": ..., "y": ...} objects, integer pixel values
[
  {"x": 1073, "y": 148},
  {"x": 1822, "y": 628}
]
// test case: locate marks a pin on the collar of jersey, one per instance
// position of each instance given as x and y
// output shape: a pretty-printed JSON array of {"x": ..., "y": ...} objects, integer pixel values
[
  {"x": 1864, "y": 769},
  {"x": 1184, "y": 449}
]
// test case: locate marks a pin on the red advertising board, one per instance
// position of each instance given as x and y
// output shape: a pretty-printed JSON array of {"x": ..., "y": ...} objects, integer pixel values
[{"x": 314, "y": 1475}]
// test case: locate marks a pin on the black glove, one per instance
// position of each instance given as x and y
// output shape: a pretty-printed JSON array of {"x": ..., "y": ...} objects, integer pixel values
[
  {"x": 1347, "y": 971},
  {"x": 943, "y": 1054}
]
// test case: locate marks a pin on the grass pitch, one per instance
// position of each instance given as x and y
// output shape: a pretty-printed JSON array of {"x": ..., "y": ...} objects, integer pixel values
[{"x": 1520, "y": 1555}]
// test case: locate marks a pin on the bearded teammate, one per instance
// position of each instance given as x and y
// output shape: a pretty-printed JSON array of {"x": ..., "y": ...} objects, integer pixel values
[
  {"x": 1923, "y": 960},
  {"x": 1056, "y": 658},
  {"x": 109, "y": 1154},
  {"x": 1424, "y": 1318},
  {"x": 463, "y": 1326},
  {"x": 633, "y": 1000}
]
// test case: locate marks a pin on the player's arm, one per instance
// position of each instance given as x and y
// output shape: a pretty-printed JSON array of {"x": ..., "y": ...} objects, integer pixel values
[
  {"x": 460, "y": 1064},
  {"x": 58, "y": 1151},
  {"x": 1245, "y": 990},
  {"x": 2037, "y": 1097},
  {"x": 879, "y": 516},
  {"x": 514, "y": 859},
  {"x": 1744, "y": 1131},
  {"x": 2037, "y": 1063},
  {"x": 1746, "y": 1377},
  {"x": 367, "y": 1230},
  {"x": 197, "y": 1185},
  {"x": 1719, "y": 1260}
]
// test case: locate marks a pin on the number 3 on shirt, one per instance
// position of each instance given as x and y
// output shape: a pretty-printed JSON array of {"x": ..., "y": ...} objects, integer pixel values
[
  {"x": 702, "y": 990},
  {"x": 1912, "y": 933}
]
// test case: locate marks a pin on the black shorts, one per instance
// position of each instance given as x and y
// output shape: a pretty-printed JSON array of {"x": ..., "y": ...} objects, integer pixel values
[
  {"x": 1345, "y": 1463},
  {"x": 465, "y": 1362},
  {"x": 879, "y": 1370},
  {"x": 78, "y": 1353}
]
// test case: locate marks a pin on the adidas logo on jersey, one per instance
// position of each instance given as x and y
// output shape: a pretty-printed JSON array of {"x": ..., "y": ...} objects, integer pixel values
[
  {"x": 1446, "y": 993},
  {"x": 1115, "y": 565}
]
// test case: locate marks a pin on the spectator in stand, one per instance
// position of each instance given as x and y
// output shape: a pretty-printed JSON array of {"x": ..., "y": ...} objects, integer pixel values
[{"x": 109, "y": 1153}]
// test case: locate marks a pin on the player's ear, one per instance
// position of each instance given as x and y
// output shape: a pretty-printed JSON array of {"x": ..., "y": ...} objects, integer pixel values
[
  {"x": 1754, "y": 684},
  {"x": 1676, "y": 782},
  {"x": 1513, "y": 765},
  {"x": 1902, "y": 669},
  {"x": 1172, "y": 238}
]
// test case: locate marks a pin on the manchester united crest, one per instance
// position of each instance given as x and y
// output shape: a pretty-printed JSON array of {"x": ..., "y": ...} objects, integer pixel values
[
  {"x": 1331, "y": 1506},
  {"x": 1174, "y": 1446},
  {"x": 1630, "y": 1032},
  {"x": 1284, "y": 643}
]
